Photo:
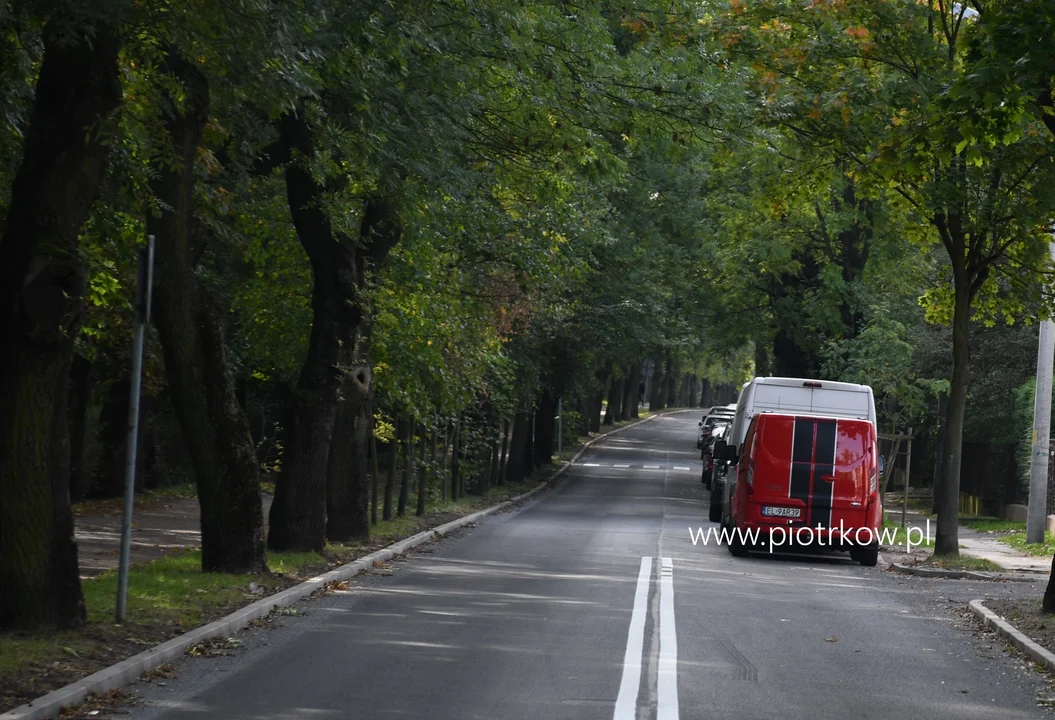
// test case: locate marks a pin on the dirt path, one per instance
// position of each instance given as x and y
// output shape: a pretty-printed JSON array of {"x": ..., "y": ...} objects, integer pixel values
[{"x": 156, "y": 531}]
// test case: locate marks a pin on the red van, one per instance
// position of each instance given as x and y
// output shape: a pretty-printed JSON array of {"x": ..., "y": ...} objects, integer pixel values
[{"x": 806, "y": 480}]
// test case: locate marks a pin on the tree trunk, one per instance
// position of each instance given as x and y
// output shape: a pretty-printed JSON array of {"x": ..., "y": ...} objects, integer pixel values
[
  {"x": 456, "y": 465},
  {"x": 1047, "y": 605},
  {"x": 423, "y": 477},
  {"x": 615, "y": 397},
  {"x": 515, "y": 460},
  {"x": 670, "y": 398},
  {"x": 761, "y": 359},
  {"x": 408, "y": 466},
  {"x": 190, "y": 323},
  {"x": 444, "y": 493},
  {"x": 528, "y": 450},
  {"x": 348, "y": 496},
  {"x": 545, "y": 429},
  {"x": 42, "y": 284},
  {"x": 496, "y": 454},
  {"x": 629, "y": 404},
  {"x": 375, "y": 476},
  {"x": 655, "y": 400},
  {"x": 939, "y": 450},
  {"x": 339, "y": 264},
  {"x": 946, "y": 540},
  {"x": 393, "y": 465},
  {"x": 596, "y": 406},
  {"x": 705, "y": 394},
  {"x": 503, "y": 472}
]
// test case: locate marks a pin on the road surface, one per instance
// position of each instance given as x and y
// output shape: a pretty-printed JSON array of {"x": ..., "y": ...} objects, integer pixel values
[{"x": 592, "y": 602}]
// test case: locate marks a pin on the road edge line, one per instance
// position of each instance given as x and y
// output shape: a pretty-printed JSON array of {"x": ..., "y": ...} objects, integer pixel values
[
  {"x": 1035, "y": 651},
  {"x": 130, "y": 669}
]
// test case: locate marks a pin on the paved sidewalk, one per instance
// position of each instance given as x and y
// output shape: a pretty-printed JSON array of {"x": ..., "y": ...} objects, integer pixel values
[
  {"x": 982, "y": 545},
  {"x": 156, "y": 531}
]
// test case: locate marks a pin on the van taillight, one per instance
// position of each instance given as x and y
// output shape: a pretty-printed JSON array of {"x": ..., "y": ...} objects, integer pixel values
[{"x": 811, "y": 384}]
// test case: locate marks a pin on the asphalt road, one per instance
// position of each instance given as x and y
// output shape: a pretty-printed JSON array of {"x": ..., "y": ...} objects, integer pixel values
[{"x": 592, "y": 602}]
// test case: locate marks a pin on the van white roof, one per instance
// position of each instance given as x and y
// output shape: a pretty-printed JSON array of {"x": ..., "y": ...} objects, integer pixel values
[{"x": 801, "y": 396}]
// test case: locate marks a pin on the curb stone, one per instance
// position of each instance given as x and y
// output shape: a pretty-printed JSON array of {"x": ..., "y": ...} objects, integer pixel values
[
  {"x": 1017, "y": 638},
  {"x": 958, "y": 574},
  {"x": 128, "y": 670}
]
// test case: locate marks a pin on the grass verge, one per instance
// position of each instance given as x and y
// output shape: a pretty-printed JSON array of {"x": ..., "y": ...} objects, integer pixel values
[
  {"x": 1018, "y": 541},
  {"x": 963, "y": 562},
  {"x": 991, "y": 524},
  {"x": 900, "y": 535},
  {"x": 171, "y": 595}
]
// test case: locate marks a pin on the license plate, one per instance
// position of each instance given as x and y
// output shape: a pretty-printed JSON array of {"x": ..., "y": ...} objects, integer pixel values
[{"x": 782, "y": 512}]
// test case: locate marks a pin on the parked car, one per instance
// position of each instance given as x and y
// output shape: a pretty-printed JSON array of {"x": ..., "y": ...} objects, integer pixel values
[
  {"x": 718, "y": 413},
  {"x": 802, "y": 453},
  {"x": 721, "y": 427}
]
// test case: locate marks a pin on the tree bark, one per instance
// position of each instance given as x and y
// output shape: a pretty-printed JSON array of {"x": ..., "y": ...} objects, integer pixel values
[
  {"x": 408, "y": 466},
  {"x": 348, "y": 489},
  {"x": 393, "y": 466},
  {"x": 375, "y": 476},
  {"x": 339, "y": 268},
  {"x": 515, "y": 460},
  {"x": 615, "y": 397},
  {"x": 939, "y": 450},
  {"x": 545, "y": 428},
  {"x": 456, "y": 464},
  {"x": 503, "y": 472},
  {"x": 761, "y": 359},
  {"x": 42, "y": 284},
  {"x": 946, "y": 540},
  {"x": 655, "y": 400},
  {"x": 670, "y": 397},
  {"x": 444, "y": 489},
  {"x": 189, "y": 319},
  {"x": 629, "y": 404},
  {"x": 423, "y": 477}
]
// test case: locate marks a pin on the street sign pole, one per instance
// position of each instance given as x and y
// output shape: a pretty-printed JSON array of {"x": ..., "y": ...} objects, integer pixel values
[{"x": 144, "y": 281}]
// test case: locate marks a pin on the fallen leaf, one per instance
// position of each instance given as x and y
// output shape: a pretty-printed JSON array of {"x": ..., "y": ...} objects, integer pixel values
[{"x": 831, "y": 639}]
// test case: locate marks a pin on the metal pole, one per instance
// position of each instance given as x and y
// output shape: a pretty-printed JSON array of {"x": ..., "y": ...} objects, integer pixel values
[
  {"x": 1038, "y": 466},
  {"x": 144, "y": 281},
  {"x": 908, "y": 473}
]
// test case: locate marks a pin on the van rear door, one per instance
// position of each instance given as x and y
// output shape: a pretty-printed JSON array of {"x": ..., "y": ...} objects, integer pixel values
[{"x": 831, "y": 469}]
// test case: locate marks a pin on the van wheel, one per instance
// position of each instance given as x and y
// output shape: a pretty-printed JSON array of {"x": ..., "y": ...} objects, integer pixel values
[
  {"x": 715, "y": 514},
  {"x": 868, "y": 556}
]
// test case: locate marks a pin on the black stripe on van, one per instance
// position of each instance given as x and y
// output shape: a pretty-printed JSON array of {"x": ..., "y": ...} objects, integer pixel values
[
  {"x": 801, "y": 461},
  {"x": 821, "y": 511}
]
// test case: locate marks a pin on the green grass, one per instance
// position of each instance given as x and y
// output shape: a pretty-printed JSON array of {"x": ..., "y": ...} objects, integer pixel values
[
  {"x": 900, "y": 537},
  {"x": 962, "y": 562},
  {"x": 1018, "y": 541},
  {"x": 990, "y": 524}
]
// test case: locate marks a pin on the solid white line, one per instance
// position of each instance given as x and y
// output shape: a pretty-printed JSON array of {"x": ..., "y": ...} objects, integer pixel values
[
  {"x": 626, "y": 703},
  {"x": 667, "y": 686}
]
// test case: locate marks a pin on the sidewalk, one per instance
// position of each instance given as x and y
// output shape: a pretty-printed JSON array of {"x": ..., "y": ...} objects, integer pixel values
[
  {"x": 981, "y": 545},
  {"x": 156, "y": 531}
]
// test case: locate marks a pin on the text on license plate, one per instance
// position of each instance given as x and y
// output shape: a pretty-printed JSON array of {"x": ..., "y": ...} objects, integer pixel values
[{"x": 782, "y": 512}]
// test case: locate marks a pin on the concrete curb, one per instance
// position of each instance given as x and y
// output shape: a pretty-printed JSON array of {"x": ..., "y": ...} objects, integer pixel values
[
  {"x": 958, "y": 574},
  {"x": 128, "y": 670},
  {"x": 1017, "y": 638}
]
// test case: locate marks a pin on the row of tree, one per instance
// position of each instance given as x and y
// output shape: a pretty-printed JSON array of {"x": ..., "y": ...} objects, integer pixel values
[{"x": 375, "y": 220}]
